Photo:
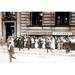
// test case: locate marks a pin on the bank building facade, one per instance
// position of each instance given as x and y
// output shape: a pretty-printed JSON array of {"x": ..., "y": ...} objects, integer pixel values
[{"x": 36, "y": 24}]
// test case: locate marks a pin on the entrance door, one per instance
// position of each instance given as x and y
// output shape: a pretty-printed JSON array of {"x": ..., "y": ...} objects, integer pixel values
[{"x": 9, "y": 29}]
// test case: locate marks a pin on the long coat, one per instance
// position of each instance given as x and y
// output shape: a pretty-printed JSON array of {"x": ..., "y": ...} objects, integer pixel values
[
  {"x": 10, "y": 49},
  {"x": 47, "y": 44},
  {"x": 28, "y": 44},
  {"x": 19, "y": 43}
]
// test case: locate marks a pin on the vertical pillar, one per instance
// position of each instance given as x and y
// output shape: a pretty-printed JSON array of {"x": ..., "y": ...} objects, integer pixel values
[
  {"x": 18, "y": 24},
  {"x": 0, "y": 25},
  {"x": 48, "y": 18}
]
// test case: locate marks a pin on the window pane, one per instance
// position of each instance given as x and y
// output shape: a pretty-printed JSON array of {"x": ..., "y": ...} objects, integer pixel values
[
  {"x": 36, "y": 18},
  {"x": 62, "y": 18}
]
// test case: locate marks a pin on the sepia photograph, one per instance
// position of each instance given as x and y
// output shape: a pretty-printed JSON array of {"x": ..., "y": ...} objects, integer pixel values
[{"x": 36, "y": 36}]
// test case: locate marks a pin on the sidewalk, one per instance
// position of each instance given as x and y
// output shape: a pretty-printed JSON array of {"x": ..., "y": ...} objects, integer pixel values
[
  {"x": 3, "y": 49},
  {"x": 36, "y": 55}
]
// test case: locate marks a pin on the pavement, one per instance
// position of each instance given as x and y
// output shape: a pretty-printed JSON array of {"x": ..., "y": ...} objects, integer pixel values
[{"x": 36, "y": 56}]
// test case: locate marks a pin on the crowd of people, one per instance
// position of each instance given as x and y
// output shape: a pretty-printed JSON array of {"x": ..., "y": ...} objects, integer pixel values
[
  {"x": 32, "y": 42},
  {"x": 51, "y": 42},
  {"x": 44, "y": 42}
]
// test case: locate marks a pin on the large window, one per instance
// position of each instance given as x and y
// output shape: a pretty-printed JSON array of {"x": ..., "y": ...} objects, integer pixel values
[
  {"x": 36, "y": 18},
  {"x": 62, "y": 18}
]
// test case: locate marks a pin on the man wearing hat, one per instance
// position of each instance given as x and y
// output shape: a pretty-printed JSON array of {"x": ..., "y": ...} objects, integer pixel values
[{"x": 11, "y": 51}]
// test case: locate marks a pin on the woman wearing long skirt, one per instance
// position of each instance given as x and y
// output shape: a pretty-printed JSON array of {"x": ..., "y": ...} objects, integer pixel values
[
  {"x": 48, "y": 43},
  {"x": 25, "y": 41},
  {"x": 36, "y": 42},
  {"x": 52, "y": 40},
  {"x": 43, "y": 44},
  {"x": 32, "y": 42}
]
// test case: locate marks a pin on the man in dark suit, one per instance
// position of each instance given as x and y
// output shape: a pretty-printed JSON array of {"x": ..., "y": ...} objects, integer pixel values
[
  {"x": 68, "y": 45},
  {"x": 11, "y": 51},
  {"x": 28, "y": 43}
]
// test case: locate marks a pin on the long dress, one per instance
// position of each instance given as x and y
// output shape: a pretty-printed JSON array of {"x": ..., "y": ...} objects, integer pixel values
[
  {"x": 32, "y": 42},
  {"x": 53, "y": 43},
  {"x": 36, "y": 43},
  {"x": 58, "y": 44},
  {"x": 47, "y": 44},
  {"x": 25, "y": 41},
  {"x": 43, "y": 45}
]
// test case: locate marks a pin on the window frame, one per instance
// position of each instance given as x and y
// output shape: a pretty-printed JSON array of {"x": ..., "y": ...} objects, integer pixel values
[
  {"x": 62, "y": 24},
  {"x": 38, "y": 23}
]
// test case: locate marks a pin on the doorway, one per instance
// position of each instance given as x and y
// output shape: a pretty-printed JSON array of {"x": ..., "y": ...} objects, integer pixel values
[{"x": 9, "y": 26}]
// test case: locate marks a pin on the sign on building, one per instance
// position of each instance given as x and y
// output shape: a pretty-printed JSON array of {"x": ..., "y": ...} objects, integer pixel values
[{"x": 62, "y": 33}]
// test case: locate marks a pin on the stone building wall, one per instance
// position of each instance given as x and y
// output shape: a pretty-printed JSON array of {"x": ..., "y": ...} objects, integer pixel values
[{"x": 48, "y": 24}]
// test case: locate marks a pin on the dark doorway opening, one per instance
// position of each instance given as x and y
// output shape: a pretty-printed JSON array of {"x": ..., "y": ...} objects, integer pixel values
[{"x": 9, "y": 29}]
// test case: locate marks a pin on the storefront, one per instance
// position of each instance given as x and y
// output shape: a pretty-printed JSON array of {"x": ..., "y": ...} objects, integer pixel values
[{"x": 37, "y": 23}]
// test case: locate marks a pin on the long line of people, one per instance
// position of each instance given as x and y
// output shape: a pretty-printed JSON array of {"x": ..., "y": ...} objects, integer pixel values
[
  {"x": 48, "y": 42},
  {"x": 33, "y": 42}
]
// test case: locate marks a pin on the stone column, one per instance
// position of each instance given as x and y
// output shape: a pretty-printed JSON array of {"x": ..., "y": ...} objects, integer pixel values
[
  {"x": 18, "y": 24},
  {"x": 0, "y": 25}
]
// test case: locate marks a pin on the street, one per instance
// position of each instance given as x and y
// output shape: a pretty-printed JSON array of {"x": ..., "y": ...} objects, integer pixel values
[{"x": 36, "y": 56}]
